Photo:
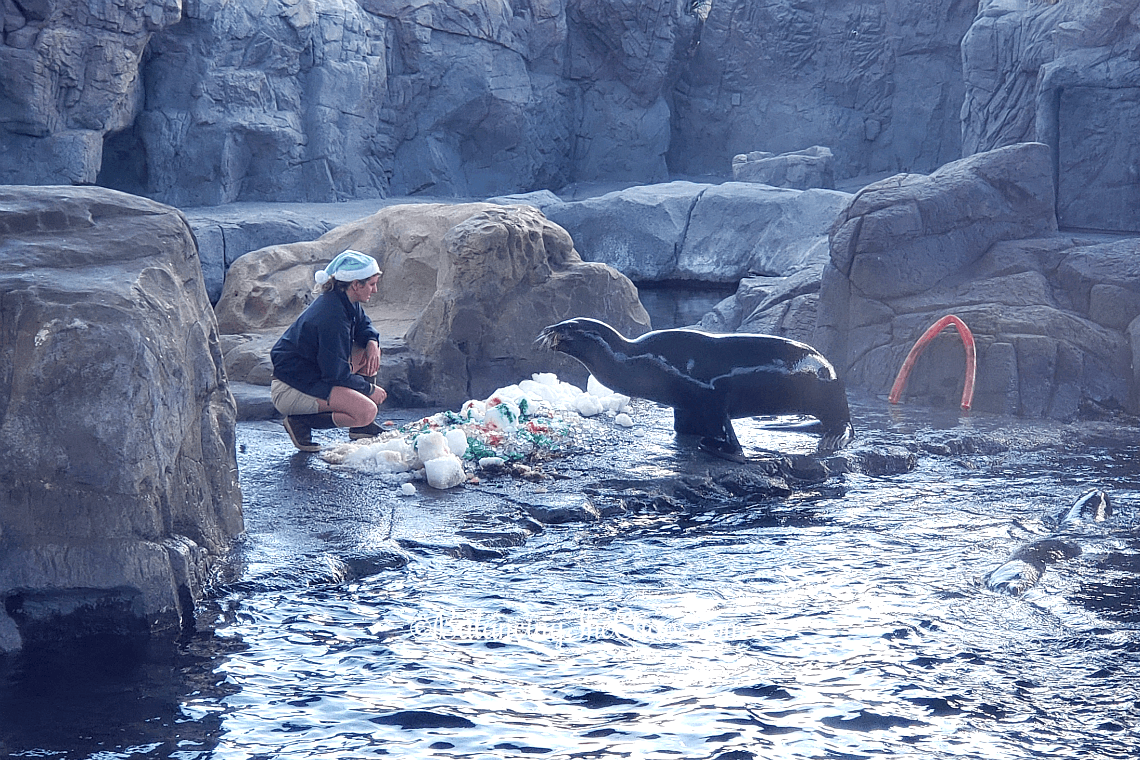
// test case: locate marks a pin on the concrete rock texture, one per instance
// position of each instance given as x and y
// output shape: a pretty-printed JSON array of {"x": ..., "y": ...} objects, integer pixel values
[
  {"x": 212, "y": 101},
  {"x": 687, "y": 231},
  {"x": 880, "y": 84},
  {"x": 118, "y": 481},
  {"x": 466, "y": 288},
  {"x": 801, "y": 169},
  {"x": 1066, "y": 74},
  {"x": 1054, "y": 315}
]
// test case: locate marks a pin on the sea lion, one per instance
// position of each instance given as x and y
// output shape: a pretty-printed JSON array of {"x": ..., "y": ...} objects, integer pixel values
[
  {"x": 711, "y": 379},
  {"x": 1092, "y": 505},
  {"x": 1026, "y": 565}
]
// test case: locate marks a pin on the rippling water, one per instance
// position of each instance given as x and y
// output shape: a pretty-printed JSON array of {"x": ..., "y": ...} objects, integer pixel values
[{"x": 848, "y": 620}]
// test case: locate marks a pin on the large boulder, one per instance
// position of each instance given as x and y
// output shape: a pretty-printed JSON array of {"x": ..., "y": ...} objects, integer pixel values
[
  {"x": 118, "y": 485},
  {"x": 465, "y": 290},
  {"x": 1049, "y": 312},
  {"x": 226, "y": 233},
  {"x": 904, "y": 234},
  {"x": 1065, "y": 74},
  {"x": 686, "y": 231},
  {"x": 801, "y": 169}
]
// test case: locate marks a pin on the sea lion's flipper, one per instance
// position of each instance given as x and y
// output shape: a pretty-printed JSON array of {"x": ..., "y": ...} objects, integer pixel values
[
  {"x": 833, "y": 440},
  {"x": 693, "y": 421},
  {"x": 719, "y": 447},
  {"x": 725, "y": 445}
]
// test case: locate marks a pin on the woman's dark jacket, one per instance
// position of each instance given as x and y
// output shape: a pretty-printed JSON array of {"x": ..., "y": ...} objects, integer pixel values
[{"x": 315, "y": 352}]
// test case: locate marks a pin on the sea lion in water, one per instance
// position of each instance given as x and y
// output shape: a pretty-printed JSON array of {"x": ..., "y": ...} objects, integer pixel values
[
  {"x": 711, "y": 379},
  {"x": 1092, "y": 505},
  {"x": 1026, "y": 565}
]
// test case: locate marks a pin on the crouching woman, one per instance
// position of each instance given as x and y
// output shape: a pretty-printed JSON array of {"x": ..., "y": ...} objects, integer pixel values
[{"x": 325, "y": 365}]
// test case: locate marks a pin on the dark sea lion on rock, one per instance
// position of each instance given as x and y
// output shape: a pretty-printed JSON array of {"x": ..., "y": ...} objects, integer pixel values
[{"x": 709, "y": 380}]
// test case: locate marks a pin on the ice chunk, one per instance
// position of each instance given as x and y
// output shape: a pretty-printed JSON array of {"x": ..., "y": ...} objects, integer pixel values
[
  {"x": 444, "y": 472},
  {"x": 503, "y": 415},
  {"x": 456, "y": 442},
  {"x": 377, "y": 457},
  {"x": 624, "y": 420},
  {"x": 595, "y": 388},
  {"x": 432, "y": 445},
  {"x": 587, "y": 405}
]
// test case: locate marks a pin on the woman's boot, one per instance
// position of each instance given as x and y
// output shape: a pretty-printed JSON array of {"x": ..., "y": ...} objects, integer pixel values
[{"x": 301, "y": 426}]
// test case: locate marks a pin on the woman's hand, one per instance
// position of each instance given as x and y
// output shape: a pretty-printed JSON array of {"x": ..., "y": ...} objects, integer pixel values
[{"x": 371, "y": 359}]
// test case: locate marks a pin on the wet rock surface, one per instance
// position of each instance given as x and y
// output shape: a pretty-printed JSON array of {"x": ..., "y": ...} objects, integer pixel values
[{"x": 602, "y": 473}]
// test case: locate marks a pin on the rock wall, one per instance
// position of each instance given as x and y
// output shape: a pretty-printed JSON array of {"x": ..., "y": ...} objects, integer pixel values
[
  {"x": 466, "y": 288},
  {"x": 118, "y": 485},
  {"x": 1066, "y": 74},
  {"x": 695, "y": 232},
  {"x": 215, "y": 101},
  {"x": 70, "y": 74},
  {"x": 1054, "y": 315},
  {"x": 879, "y": 83}
]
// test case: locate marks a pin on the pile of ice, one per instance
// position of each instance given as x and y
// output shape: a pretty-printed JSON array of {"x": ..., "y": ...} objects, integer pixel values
[{"x": 510, "y": 424}]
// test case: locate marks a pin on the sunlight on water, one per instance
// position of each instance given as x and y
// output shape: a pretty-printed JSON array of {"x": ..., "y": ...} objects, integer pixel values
[
  {"x": 851, "y": 620},
  {"x": 868, "y": 633}
]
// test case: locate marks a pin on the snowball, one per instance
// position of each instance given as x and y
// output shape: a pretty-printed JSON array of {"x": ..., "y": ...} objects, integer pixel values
[
  {"x": 587, "y": 405},
  {"x": 432, "y": 445},
  {"x": 444, "y": 472},
  {"x": 624, "y": 420},
  {"x": 457, "y": 442},
  {"x": 407, "y": 490},
  {"x": 491, "y": 462},
  {"x": 378, "y": 457},
  {"x": 504, "y": 416}
]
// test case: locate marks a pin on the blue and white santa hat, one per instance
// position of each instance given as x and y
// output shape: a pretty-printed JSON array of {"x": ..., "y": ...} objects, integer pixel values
[{"x": 347, "y": 267}]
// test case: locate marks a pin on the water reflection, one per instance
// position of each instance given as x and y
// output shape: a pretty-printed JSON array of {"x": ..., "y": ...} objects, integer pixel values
[{"x": 847, "y": 619}]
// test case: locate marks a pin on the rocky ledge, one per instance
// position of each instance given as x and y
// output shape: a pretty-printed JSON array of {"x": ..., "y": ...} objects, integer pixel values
[{"x": 119, "y": 480}]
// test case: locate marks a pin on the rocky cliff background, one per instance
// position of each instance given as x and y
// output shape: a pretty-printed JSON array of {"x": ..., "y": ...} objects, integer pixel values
[{"x": 206, "y": 102}]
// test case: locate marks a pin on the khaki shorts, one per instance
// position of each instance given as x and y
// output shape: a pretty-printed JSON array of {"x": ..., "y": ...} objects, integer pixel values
[{"x": 289, "y": 400}]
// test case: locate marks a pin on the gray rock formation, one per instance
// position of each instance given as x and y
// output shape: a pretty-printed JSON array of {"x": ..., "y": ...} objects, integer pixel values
[
  {"x": 1053, "y": 315},
  {"x": 225, "y": 233},
  {"x": 880, "y": 84},
  {"x": 69, "y": 77},
  {"x": 801, "y": 169},
  {"x": 782, "y": 304},
  {"x": 119, "y": 471},
  {"x": 336, "y": 99},
  {"x": 466, "y": 288},
  {"x": 685, "y": 231},
  {"x": 1065, "y": 74}
]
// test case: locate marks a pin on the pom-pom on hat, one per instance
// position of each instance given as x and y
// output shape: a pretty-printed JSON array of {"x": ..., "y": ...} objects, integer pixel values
[{"x": 347, "y": 267}]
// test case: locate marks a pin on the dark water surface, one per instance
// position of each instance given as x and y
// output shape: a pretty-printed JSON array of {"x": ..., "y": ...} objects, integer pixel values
[{"x": 850, "y": 619}]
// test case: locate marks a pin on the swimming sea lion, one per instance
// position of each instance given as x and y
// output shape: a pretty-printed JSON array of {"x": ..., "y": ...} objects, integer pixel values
[
  {"x": 711, "y": 379},
  {"x": 1026, "y": 565},
  {"x": 1092, "y": 505}
]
